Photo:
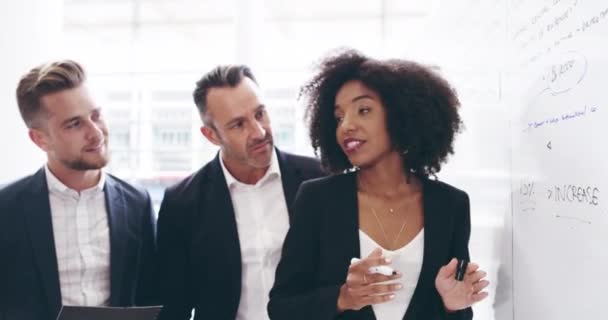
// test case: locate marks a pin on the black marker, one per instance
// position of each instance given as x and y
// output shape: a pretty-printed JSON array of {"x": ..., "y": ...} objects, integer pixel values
[{"x": 461, "y": 269}]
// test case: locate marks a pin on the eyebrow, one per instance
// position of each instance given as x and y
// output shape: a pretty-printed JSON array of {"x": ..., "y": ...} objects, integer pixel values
[
  {"x": 357, "y": 98},
  {"x": 235, "y": 120},
  {"x": 363, "y": 96},
  {"x": 260, "y": 108},
  {"x": 65, "y": 122}
]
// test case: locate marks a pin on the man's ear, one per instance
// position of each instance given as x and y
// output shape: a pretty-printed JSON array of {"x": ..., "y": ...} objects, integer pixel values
[
  {"x": 211, "y": 135},
  {"x": 40, "y": 138}
]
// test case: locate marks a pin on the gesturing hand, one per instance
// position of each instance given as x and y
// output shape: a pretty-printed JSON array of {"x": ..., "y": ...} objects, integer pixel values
[
  {"x": 457, "y": 295},
  {"x": 362, "y": 289}
]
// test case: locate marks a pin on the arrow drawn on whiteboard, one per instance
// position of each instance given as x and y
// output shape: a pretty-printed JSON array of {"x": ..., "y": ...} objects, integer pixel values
[
  {"x": 549, "y": 145},
  {"x": 573, "y": 218}
]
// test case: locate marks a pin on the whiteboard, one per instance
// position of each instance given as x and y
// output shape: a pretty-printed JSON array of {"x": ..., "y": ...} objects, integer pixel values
[{"x": 557, "y": 85}]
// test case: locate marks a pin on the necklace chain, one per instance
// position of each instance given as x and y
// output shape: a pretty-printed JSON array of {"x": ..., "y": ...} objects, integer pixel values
[
  {"x": 390, "y": 210},
  {"x": 384, "y": 197},
  {"x": 392, "y": 244},
  {"x": 380, "y": 195},
  {"x": 368, "y": 193}
]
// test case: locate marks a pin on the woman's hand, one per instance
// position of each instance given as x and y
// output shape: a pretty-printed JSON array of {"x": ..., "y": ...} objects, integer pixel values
[
  {"x": 362, "y": 289},
  {"x": 457, "y": 295}
]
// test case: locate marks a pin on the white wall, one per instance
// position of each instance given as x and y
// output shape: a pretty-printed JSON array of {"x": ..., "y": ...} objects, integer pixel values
[{"x": 30, "y": 33}]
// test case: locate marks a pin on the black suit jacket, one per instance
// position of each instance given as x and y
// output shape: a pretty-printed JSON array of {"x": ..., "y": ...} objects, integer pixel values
[
  {"x": 324, "y": 236},
  {"x": 29, "y": 278},
  {"x": 199, "y": 249}
]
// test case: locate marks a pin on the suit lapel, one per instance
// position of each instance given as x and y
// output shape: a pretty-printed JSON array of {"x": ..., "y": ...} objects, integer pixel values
[
  {"x": 291, "y": 177},
  {"x": 37, "y": 212},
  {"x": 115, "y": 206},
  {"x": 435, "y": 230},
  {"x": 345, "y": 218},
  {"x": 345, "y": 221},
  {"x": 219, "y": 224}
]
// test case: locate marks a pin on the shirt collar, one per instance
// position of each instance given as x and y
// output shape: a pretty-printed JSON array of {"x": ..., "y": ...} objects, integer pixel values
[
  {"x": 55, "y": 184},
  {"x": 273, "y": 171}
]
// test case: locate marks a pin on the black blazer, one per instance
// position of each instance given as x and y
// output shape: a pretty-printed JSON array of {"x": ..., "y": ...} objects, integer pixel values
[
  {"x": 199, "y": 250},
  {"x": 29, "y": 280},
  {"x": 324, "y": 236}
]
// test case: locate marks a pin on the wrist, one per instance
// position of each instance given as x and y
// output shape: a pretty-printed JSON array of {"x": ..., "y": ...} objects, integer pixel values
[
  {"x": 448, "y": 310},
  {"x": 445, "y": 306}
]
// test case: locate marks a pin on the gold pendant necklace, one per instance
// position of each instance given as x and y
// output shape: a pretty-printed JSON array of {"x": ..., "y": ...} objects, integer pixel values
[{"x": 392, "y": 244}]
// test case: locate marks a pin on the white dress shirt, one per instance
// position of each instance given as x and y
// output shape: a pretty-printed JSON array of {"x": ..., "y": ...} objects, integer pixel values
[
  {"x": 82, "y": 242},
  {"x": 408, "y": 261},
  {"x": 262, "y": 223}
]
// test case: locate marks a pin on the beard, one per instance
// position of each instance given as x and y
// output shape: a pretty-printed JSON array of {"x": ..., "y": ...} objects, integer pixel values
[
  {"x": 83, "y": 164},
  {"x": 260, "y": 160},
  {"x": 267, "y": 139}
]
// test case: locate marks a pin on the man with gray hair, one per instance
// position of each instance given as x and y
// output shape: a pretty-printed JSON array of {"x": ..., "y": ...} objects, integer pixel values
[
  {"x": 71, "y": 234},
  {"x": 221, "y": 230}
]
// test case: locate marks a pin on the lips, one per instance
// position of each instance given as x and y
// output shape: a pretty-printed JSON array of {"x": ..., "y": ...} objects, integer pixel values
[
  {"x": 351, "y": 145},
  {"x": 260, "y": 146},
  {"x": 95, "y": 148}
]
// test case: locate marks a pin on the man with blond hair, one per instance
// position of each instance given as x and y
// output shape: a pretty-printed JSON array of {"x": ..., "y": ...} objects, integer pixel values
[{"x": 71, "y": 234}]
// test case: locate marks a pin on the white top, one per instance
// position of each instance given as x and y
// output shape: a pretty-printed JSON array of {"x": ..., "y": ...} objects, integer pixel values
[
  {"x": 82, "y": 242},
  {"x": 408, "y": 261},
  {"x": 262, "y": 223}
]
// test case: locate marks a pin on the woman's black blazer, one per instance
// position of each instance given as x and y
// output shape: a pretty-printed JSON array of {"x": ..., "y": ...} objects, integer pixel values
[{"x": 324, "y": 236}]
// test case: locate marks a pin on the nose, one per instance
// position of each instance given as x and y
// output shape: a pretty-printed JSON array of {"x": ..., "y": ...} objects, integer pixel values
[
  {"x": 94, "y": 131},
  {"x": 348, "y": 124},
  {"x": 258, "y": 131}
]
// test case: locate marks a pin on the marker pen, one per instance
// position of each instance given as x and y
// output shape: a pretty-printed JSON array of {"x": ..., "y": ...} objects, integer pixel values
[
  {"x": 461, "y": 269},
  {"x": 383, "y": 270}
]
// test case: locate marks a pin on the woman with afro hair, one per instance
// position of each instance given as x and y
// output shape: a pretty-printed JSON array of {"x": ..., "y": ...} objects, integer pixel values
[{"x": 383, "y": 128}]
